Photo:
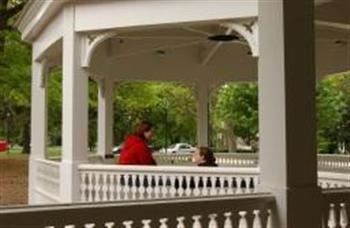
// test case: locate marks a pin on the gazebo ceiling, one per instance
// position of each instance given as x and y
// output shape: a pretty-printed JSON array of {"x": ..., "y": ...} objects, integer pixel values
[
  {"x": 212, "y": 50},
  {"x": 186, "y": 53}
]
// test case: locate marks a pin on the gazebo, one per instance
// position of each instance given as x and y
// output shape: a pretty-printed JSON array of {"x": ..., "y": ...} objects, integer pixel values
[{"x": 284, "y": 45}]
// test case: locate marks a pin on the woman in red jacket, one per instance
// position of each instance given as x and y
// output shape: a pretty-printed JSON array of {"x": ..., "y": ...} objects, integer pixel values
[{"x": 135, "y": 148}]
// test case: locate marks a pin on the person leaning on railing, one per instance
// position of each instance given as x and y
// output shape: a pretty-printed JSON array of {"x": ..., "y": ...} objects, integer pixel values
[{"x": 135, "y": 149}]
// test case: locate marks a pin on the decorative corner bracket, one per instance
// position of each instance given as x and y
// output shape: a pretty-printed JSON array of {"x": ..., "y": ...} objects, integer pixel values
[
  {"x": 90, "y": 43},
  {"x": 249, "y": 32}
]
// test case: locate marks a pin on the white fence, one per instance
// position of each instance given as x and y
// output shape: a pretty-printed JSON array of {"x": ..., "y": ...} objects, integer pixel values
[
  {"x": 326, "y": 162},
  {"x": 116, "y": 182},
  {"x": 253, "y": 211},
  {"x": 238, "y": 211},
  {"x": 99, "y": 182},
  {"x": 334, "y": 163},
  {"x": 223, "y": 159}
]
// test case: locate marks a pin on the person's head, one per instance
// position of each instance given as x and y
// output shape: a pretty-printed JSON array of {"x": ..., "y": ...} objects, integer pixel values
[
  {"x": 203, "y": 155},
  {"x": 144, "y": 130}
]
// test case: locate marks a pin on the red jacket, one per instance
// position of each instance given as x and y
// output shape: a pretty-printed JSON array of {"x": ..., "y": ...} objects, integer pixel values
[{"x": 136, "y": 152}]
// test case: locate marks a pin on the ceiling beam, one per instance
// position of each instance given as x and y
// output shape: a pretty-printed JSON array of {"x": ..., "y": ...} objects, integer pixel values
[{"x": 210, "y": 52}]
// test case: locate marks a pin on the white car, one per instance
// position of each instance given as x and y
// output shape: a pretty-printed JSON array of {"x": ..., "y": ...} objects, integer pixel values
[{"x": 179, "y": 148}]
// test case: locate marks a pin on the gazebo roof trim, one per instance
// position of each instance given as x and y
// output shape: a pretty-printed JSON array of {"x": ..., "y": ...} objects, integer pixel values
[{"x": 35, "y": 16}]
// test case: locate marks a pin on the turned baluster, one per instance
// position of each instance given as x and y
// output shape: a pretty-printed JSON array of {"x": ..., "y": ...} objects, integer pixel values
[
  {"x": 243, "y": 222},
  {"x": 142, "y": 188},
  {"x": 146, "y": 223},
  {"x": 212, "y": 222},
  {"x": 343, "y": 217},
  {"x": 97, "y": 187},
  {"x": 189, "y": 184},
  {"x": 149, "y": 187},
  {"x": 133, "y": 187},
  {"x": 228, "y": 220},
  {"x": 196, "y": 190},
  {"x": 118, "y": 187},
  {"x": 90, "y": 187},
  {"x": 257, "y": 220},
  {"x": 104, "y": 186},
  {"x": 128, "y": 224},
  {"x": 180, "y": 189},
  {"x": 172, "y": 186},
  {"x": 112, "y": 188},
  {"x": 109, "y": 224},
  {"x": 180, "y": 222},
  {"x": 163, "y": 223},
  {"x": 156, "y": 187},
  {"x": 197, "y": 222},
  {"x": 332, "y": 220},
  {"x": 269, "y": 219}
]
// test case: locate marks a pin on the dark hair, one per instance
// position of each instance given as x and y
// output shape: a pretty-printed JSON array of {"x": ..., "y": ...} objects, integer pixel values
[
  {"x": 141, "y": 128},
  {"x": 208, "y": 155}
]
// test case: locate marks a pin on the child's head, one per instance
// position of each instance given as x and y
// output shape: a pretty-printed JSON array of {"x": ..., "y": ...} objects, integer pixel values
[{"x": 203, "y": 155}]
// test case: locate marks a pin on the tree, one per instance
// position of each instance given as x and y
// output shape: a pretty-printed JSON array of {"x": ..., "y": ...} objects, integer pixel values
[
  {"x": 15, "y": 71},
  {"x": 8, "y": 10},
  {"x": 237, "y": 108},
  {"x": 330, "y": 111}
]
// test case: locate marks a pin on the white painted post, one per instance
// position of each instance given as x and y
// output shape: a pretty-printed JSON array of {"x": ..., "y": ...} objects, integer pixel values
[
  {"x": 75, "y": 110},
  {"x": 288, "y": 160},
  {"x": 105, "y": 117},
  {"x": 38, "y": 125},
  {"x": 202, "y": 114}
]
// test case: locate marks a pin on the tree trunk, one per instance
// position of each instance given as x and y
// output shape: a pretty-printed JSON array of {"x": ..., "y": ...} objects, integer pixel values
[
  {"x": 231, "y": 138},
  {"x": 26, "y": 136}
]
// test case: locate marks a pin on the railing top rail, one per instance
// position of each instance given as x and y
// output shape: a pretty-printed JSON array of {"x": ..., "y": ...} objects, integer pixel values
[
  {"x": 62, "y": 215},
  {"x": 172, "y": 169},
  {"x": 344, "y": 156},
  {"x": 334, "y": 191},
  {"x": 334, "y": 175},
  {"x": 48, "y": 162},
  {"x": 261, "y": 197}
]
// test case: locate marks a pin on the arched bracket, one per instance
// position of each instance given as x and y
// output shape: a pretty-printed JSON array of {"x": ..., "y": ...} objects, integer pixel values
[
  {"x": 90, "y": 43},
  {"x": 249, "y": 32}
]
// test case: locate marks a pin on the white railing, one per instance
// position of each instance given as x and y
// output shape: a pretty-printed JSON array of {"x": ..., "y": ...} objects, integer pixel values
[
  {"x": 334, "y": 163},
  {"x": 117, "y": 182},
  {"x": 253, "y": 211},
  {"x": 336, "y": 208},
  {"x": 333, "y": 179},
  {"x": 326, "y": 162},
  {"x": 47, "y": 181},
  {"x": 223, "y": 159}
]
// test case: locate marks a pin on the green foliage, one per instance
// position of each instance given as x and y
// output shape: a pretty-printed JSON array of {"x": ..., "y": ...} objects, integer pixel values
[
  {"x": 170, "y": 106},
  {"x": 15, "y": 74},
  {"x": 237, "y": 105},
  {"x": 333, "y": 112}
]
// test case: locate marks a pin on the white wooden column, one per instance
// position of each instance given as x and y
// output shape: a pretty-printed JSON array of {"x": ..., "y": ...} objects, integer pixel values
[
  {"x": 288, "y": 160},
  {"x": 105, "y": 117},
  {"x": 38, "y": 125},
  {"x": 202, "y": 114},
  {"x": 75, "y": 111}
]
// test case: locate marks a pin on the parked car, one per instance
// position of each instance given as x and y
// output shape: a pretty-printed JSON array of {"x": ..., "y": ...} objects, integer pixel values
[{"x": 179, "y": 148}]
